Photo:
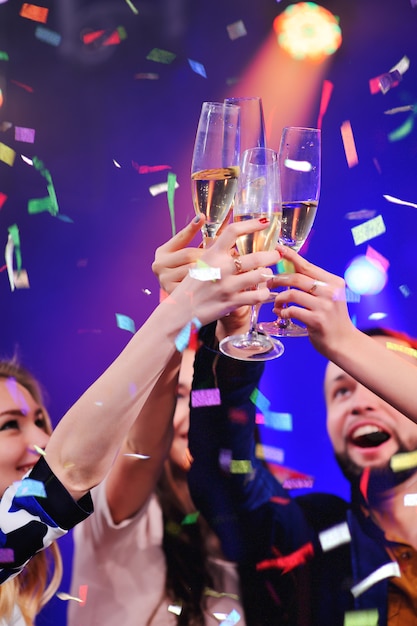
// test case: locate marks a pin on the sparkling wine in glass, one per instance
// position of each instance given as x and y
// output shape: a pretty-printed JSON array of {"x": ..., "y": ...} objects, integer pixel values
[
  {"x": 258, "y": 196},
  {"x": 215, "y": 165},
  {"x": 300, "y": 170}
]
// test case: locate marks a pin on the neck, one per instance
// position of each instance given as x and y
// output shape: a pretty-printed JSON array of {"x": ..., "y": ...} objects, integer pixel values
[{"x": 392, "y": 516}]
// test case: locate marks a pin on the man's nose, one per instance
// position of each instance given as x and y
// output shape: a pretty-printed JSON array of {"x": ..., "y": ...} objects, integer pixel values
[{"x": 363, "y": 400}]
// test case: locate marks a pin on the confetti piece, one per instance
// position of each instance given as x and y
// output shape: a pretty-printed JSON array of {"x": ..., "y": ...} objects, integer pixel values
[
  {"x": 349, "y": 144},
  {"x": 240, "y": 466},
  {"x": 198, "y": 68},
  {"x": 39, "y": 450},
  {"x": 132, "y": 7},
  {"x": 30, "y": 487},
  {"x": 395, "y": 110},
  {"x": 385, "y": 571},
  {"x": 367, "y": 617},
  {"x": 219, "y": 594},
  {"x": 402, "y": 65},
  {"x": 396, "y": 347},
  {"x": 61, "y": 595},
  {"x": 362, "y": 214},
  {"x": 82, "y": 592},
  {"x": 116, "y": 163},
  {"x": 205, "y": 273},
  {"x": 403, "y": 461},
  {"x": 24, "y": 134},
  {"x": 176, "y": 609},
  {"x": 21, "y": 279},
  {"x": 146, "y": 76},
  {"x": 6, "y": 555},
  {"x": 50, "y": 203},
  {"x": 8, "y": 255},
  {"x": 172, "y": 179},
  {"x": 389, "y": 80},
  {"x": 48, "y": 36},
  {"x": 278, "y": 421},
  {"x": 368, "y": 230},
  {"x": 7, "y": 155},
  {"x": 405, "y": 290},
  {"x": 269, "y": 453},
  {"x": 298, "y": 483},
  {"x": 260, "y": 401},
  {"x": 232, "y": 619},
  {"x": 285, "y": 267},
  {"x": 161, "y": 56},
  {"x": 154, "y": 190},
  {"x": 351, "y": 296},
  {"x": 183, "y": 338},
  {"x": 3, "y": 56},
  {"x": 191, "y": 518},
  {"x": 236, "y": 30},
  {"x": 298, "y": 166},
  {"x": 22, "y": 85},
  {"x": 398, "y": 201},
  {"x": 403, "y": 131},
  {"x": 225, "y": 459},
  {"x": 125, "y": 323},
  {"x": 410, "y": 499},
  {"x": 147, "y": 292},
  {"x": 34, "y": 12},
  {"x": 149, "y": 169},
  {"x": 14, "y": 233},
  {"x": 137, "y": 456},
  {"x": 335, "y": 536},
  {"x": 373, "y": 255},
  {"x": 377, "y": 316},
  {"x": 326, "y": 93},
  {"x": 205, "y": 397},
  {"x": 3, "y": 199},
  {"x": 290, "y": 561}
]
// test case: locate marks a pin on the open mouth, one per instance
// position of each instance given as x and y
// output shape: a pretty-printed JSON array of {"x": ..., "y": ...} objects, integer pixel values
[{"x": 369, "y": 436}]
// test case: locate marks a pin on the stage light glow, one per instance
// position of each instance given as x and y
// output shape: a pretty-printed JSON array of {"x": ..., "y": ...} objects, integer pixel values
[
  {"x": 365, "y": 276},
  {"x": 308, "y": 31}
]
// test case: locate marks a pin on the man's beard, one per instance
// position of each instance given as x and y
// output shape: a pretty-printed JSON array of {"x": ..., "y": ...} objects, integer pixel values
[{"x": 380, "y": 480}]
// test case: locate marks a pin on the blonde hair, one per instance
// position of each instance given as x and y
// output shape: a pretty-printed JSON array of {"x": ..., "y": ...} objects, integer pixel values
[{"x": 40, "y": 579}]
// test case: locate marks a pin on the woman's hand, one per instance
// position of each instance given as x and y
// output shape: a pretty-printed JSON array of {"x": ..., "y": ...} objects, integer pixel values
[
  {"x": 234, "y": 277},
  {"x": 321, "y": 302},
  {"x": 173, "y": 259}
]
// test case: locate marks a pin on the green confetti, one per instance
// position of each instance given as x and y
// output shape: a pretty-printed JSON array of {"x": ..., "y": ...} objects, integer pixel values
[
  {"x": 172, "y": 179},
  {"x": 361, "y": 618},
  {"x": 161, "y": 56},
  {"x": 402, "y": 131},
  {"x": 14, "y": 233},
  {"x": 3, "y": 56},
  {"x": 191, "y": 518},
  {"x": 240, "y": 467},
  {"x": 50, "y": 204}
]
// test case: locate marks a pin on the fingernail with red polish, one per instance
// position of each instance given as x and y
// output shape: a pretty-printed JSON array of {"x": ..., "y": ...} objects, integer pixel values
[{"x": 264, "y": 220}]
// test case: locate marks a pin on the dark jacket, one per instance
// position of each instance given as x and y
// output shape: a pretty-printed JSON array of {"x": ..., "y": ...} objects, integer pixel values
[{"x": 257, "y": 520}]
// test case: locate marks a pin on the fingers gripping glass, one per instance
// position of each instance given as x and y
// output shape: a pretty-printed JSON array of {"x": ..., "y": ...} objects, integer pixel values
[
  {"x": 300, "y": 171},
  {"x": 258, "y": 196}
]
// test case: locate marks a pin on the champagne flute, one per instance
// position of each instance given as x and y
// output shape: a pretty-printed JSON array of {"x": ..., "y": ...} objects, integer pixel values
[
  {"x": 258, "y": 196},
  {"x": 215, "y": 165},
  {"x": 252, "y": 125},
  {"x": 300, "y": 170}
]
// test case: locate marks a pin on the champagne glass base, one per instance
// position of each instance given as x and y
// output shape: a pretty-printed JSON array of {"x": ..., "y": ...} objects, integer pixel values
[
  {"x": 289, "y": 329},
  {"x": 255, "y": 346}
]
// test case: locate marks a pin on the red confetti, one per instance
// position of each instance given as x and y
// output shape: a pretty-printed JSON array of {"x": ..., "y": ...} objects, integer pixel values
[
  {"x": 326, "y": 93},
  {"x": 148, "y": 169},
  {"x": 34, "y": 12},
  {"x": 3, "y": 199},
  {"x": 349, "y": 144},
  {"x": 290, "y": 561}
]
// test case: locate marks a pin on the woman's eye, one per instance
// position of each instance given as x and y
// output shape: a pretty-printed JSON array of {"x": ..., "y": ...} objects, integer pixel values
[
  {"x": 11, "y": 424},
  {"x": 340, "y": 392},
  {"x": 41, "y": 423}
]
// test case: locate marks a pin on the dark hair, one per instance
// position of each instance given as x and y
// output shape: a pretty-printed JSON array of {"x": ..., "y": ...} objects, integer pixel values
[
  {"x": 382, "y": 331},
  {"x": 185, "y": 551}
]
